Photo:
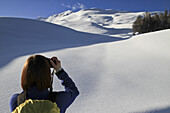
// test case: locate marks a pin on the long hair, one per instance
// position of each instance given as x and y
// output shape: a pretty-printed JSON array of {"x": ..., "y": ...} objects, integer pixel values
[{"x": 36, "y": 72}]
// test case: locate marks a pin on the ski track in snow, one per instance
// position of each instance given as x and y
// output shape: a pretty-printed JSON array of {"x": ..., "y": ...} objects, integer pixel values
[{"x": 113, "y": 75}]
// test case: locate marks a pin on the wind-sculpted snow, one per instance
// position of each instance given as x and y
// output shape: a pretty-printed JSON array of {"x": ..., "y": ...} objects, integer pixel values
[
  {"x": 128, "y": 76},
  {"x": 103, "y": 18},
  {"x": 107, "y": 21},
  {"x": 38, "y": 36},
  {"x": 104, "y": 11}
]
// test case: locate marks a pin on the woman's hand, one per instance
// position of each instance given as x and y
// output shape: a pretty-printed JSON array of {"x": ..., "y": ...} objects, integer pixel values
[{"x": 56, "y": 66}]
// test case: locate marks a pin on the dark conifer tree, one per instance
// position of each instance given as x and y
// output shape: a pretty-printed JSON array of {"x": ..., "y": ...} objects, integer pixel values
[
  {"x": 137, "y": 24},
  {"x": 165, "y": 20},
  {"x": 150, "y": 23},
  {"x": 147, "y": 22},
  {"x": 144, "y": 26},
  {"x": 168, "y": 21},
  {"x": 157, "y": 22},
  {"x": 162, "y": 21}
]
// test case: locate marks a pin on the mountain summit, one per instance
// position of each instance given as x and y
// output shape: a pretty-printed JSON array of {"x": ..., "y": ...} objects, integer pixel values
[{"x": 98, "y": 21}]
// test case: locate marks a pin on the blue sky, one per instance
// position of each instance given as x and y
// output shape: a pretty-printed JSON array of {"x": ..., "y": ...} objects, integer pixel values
[{"x": 45, "y": 8}]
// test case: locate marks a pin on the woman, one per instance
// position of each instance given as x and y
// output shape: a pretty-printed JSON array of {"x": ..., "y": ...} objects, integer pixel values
[{"x": 36, "y": 79}]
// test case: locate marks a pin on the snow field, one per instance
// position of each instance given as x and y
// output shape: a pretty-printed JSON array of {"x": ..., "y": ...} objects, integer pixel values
[
  {"x": 123, "y": 77},
  {"x": 113, "y": 75}
]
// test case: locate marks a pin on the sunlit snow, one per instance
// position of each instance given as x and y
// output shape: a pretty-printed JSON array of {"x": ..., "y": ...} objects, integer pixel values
[{"x": 112, "y": 73}]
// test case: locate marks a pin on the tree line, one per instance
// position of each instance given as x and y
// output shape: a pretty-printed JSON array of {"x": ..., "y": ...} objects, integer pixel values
[{"x": 149, "y": 23}]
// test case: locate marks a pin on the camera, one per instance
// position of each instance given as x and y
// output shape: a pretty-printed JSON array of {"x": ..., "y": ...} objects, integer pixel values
[{"x": 50, "y": 62}]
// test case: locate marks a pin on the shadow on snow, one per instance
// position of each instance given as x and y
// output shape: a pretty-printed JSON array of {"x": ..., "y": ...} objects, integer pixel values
[
  {"x": 21, "y": 37},
  {"x": 163, "y": 110}
]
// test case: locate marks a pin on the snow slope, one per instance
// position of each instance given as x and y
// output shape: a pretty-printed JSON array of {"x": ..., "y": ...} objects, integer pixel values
[
  {"x": 99, "y": 21},
  {"x": 20, "y": 37},
  {"x": 118, "y": 76},
  {"x": 37, "y": 36}
]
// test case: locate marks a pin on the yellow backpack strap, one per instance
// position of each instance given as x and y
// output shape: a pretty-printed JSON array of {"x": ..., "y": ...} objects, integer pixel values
[{"x": 21, "y": 98}]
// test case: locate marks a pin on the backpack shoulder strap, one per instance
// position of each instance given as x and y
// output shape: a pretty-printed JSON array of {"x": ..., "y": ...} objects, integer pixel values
[
  {"x": 21, "y": 98},
  {"x": 52, "y": 96}
]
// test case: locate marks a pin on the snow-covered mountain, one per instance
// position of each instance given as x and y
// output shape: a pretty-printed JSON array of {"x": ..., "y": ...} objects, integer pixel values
[
  {"x": 99, "y": 21},
  {"x": 113, "y": 75}
]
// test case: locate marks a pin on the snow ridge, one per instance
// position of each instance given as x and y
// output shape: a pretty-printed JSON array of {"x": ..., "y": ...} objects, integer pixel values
[
  {"x": 97, "y": 21},
  {"x": 113, "y": 75}
]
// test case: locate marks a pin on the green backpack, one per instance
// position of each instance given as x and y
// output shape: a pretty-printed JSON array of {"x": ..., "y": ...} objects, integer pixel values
[{"x": 37, "y": 106}]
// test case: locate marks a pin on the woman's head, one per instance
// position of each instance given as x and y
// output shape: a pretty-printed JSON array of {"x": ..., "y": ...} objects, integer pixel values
[{"x": 36, "y": 72}]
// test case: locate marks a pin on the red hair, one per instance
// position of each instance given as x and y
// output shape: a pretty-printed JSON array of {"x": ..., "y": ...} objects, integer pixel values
[{"x": 36, "y": 72}]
